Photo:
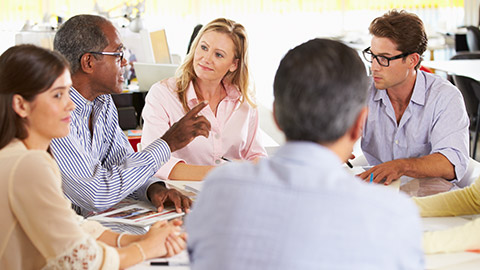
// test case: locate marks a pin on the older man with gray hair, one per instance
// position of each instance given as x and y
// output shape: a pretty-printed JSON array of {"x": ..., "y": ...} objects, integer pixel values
[
  {"x": 302, "y": 209},
  {"x": 99, "y": 167}
]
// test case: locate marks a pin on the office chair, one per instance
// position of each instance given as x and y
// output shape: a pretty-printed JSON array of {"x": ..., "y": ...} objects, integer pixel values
[
  {"x": 129, "y": 106},
  {"x": 470, "y": 90},
  {"x": 473, "y": 38},
  {"x": 194, "y": 34}
]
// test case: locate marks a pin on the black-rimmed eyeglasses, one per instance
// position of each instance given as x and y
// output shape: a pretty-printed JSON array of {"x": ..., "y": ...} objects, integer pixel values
[
  {"x": 381, "y": 60},
  {"x": 116, "y": 54}
]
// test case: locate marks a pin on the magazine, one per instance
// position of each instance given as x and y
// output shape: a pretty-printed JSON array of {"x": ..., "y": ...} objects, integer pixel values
[{"x": 136, "y": 213}]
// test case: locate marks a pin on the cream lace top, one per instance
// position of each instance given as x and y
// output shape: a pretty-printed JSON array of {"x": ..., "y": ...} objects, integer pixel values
[{"x": 38, "y": 228}]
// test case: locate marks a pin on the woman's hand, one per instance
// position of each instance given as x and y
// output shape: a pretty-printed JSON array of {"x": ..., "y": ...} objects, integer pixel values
[{"x": 163, "y": 239}]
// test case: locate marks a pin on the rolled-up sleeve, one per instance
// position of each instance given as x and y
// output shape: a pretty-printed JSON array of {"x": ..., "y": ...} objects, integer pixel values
[{"x": 449, "y": 135}]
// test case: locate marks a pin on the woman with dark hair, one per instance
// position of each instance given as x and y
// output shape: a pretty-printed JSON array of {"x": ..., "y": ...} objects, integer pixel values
[{"x": 39, "y": 229}]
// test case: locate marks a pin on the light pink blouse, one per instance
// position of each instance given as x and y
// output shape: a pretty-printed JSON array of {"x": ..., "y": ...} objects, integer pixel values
[{"x": 234, "y": 134}]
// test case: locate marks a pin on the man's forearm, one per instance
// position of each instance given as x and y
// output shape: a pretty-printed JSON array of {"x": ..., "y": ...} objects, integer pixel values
[{"x": 433, "y": 165}]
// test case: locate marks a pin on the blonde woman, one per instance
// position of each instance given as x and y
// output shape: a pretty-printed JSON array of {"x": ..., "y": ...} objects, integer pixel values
[
  {"x": 39, "y": 229},
  {"x": 216, "y": 71}
]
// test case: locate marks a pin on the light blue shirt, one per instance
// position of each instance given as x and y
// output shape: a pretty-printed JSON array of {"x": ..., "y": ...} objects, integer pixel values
[
  {"x": 300, "y": 209},
  {"x": 435, "y": 121},
  {"x": 99, "y": 171}
]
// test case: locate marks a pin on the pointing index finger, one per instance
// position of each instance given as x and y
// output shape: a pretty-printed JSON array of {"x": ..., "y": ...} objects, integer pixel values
[{"x": 196, "y": 109}]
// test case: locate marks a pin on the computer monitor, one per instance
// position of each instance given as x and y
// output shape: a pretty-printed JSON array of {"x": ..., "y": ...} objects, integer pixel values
[
  {"x": 150, "y": 73},
  {"x": 148, "y": 47},
  {"x": 158, "y": 39}
]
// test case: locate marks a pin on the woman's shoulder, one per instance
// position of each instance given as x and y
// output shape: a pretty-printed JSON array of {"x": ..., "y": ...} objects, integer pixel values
[
  {"x": 28, "y": 167},
  {"x": 165, "y": 86}
]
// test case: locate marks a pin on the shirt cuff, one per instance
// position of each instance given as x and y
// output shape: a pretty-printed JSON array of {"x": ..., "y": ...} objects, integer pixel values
[
  {"x": 141, "y": 193},
  {"x": 165, "y": 170},
  {"x": 111, "y": 259},
  {"x": 160, "y": 151},
  {"x": 93, "y": 228},
  {"x": 459, "y": 166}
]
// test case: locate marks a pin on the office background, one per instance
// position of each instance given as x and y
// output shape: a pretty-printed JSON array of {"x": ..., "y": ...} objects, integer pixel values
[{"x": 274, "y": 26}]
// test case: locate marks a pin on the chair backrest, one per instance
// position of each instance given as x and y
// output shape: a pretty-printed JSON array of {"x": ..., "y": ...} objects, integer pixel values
[
  {"x": 466, "y": 55},
  {"x": 194, "y": 34},
  {"x": 473, "y": 38},
  {"x": 468, "y": 87}
]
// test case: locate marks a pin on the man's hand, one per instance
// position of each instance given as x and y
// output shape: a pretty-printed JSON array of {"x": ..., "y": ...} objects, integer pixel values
[
  {"x": 160, "y": 195},
  {"x": 390, "y": 171},
  {"x": 187, "y": 128}
]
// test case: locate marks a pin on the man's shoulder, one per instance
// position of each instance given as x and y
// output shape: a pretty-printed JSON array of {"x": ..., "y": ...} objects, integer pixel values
[{"x": 438, "y": 85}]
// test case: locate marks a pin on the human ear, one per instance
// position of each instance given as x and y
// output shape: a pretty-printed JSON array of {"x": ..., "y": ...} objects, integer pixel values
[
  {"x": 357, "y": 128},
  {"x": 87, "y": 63},
  {"x": 234, "y": 65},
  {"x": 20, "y": 106},
  {"x": 414, "y": 59}
]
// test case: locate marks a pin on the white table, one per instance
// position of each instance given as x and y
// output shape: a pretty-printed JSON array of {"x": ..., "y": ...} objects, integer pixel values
[
  {"x": 457, "y": 261},
  {"x": 468, "y": 68}
]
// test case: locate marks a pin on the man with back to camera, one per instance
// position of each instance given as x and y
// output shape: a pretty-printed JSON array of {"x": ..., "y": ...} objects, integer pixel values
[
  {"x": 99, "y": 167},
  {"x": 417, "y": 124},
  {"x": 301, "y": 209}
]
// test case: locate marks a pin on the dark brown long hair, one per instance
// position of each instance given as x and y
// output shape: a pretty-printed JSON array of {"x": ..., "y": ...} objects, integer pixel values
[{"x": 26, "y": 70}]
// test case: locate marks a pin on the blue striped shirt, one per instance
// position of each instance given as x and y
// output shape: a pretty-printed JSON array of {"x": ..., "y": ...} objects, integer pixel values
[{"x": 100, "y": 170}]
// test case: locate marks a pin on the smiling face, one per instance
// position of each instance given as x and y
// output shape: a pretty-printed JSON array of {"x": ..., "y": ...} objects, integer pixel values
[
  {"x": 398, "y": 70},
  {"x": 214, "y": 56},
  {"x": 48, "y": 115},
  {"x": 109, "y": 69}
]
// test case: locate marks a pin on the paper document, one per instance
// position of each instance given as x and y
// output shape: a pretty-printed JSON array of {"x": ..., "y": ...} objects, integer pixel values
[
  {"x": 458, "y": 260},
  {"x": 360, "y": 169},
  {"x": 193, "y": 187},
  {"x": 442, "y": 223},
  {"x": 188, "y": 186},
  {"x": 136, "y": 213}
]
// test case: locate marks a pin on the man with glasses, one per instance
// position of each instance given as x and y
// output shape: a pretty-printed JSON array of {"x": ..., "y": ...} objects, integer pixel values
[
  {"x": 417, "y": 124},
  {"x": 99, "y": 167}
]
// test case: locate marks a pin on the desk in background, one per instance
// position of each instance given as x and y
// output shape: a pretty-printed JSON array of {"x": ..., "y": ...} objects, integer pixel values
[{"x": 467, "y": 68}]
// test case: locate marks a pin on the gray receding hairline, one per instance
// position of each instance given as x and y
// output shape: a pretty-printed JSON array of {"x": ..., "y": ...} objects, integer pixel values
[
  {"x": 320, "y": 88},
  {"x": 78, "y": 35}
]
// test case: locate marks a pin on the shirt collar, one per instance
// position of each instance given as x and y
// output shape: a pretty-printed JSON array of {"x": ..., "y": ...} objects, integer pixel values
[
  {"x": 295, "y": 152},
  {"x": 82, "y": 104},
  {"x": 419, "y": 90},
  {"x": 232, "y": 91}
]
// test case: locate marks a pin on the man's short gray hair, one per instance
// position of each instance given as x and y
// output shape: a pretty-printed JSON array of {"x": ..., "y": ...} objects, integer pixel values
[
  {"x": 320, "y": 88},
  {"x": 79, "y": 35}
]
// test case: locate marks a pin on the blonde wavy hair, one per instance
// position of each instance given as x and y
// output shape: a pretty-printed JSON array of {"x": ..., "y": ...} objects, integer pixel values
[{"x": 240, "y": 77}]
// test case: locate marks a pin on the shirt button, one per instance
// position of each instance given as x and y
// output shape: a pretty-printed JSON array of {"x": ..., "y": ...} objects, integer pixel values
[
  {"x": 217, "y": 136},
  {"x": 396, "y": 141},
  {"x": 217, "y": 161}
]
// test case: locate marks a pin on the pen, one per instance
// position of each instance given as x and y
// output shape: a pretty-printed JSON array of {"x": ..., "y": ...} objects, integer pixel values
[
  {"x": 349, "y": 164},
  {"x": 371, "y": 177},
  {"x": 159, "y": 263},
  {"x": 226, "y": 159},
  {"x": 167, "y": 263}
]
